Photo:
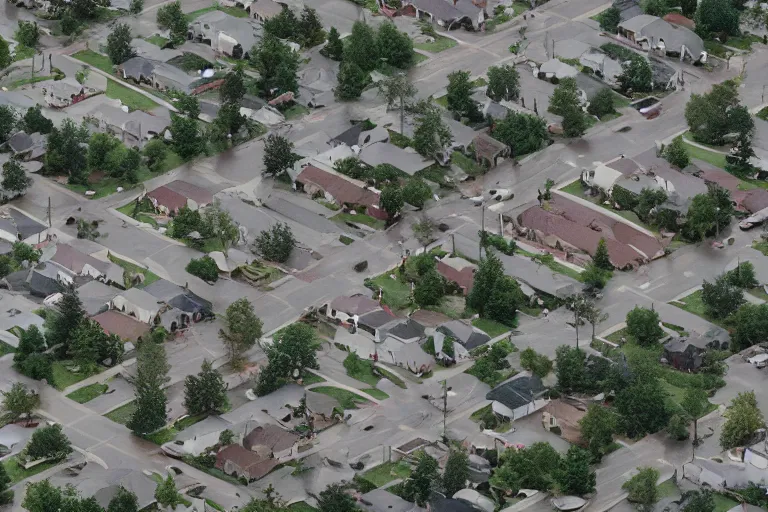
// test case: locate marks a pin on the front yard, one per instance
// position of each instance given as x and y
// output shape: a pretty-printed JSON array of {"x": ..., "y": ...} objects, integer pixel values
[
  {"x": 17, "y": 473},
  {"x": 132, "y": 99},
  {"x": 347, "y": 399},
  {"x": 64, "y": 374},
  {"x": 490, "y": 327},
  {"x": 122, "y": 414},
  {"x": 441, "y": 43},
  {"x": 387, "y": 472},
  {"x": 694, "y": 304},
  {"x": 396, "y": 293},
  {"x": 97, "y": 60},
  {"x": 88, "y": 393}
]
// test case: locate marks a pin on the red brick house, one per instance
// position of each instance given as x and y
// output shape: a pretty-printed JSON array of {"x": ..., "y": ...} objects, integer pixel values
[{"x": 458, "y": 270}]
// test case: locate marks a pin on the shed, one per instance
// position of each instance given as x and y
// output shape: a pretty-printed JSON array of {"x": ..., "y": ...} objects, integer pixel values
[
  {"x": 518, "y": 397},
  {"x": 488, "y": 149}
]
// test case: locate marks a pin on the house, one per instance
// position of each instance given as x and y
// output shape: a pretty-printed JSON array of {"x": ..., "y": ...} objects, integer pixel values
[
  {"x": 457, "y": 270},
  {"x": 601, "y": 178},
  {"x": 166, "y": 77},
  {"x": 518, "y": 397},
  {"x": 173, "y": 196},
  {"x": 65, "y": 92},
  {"x": 152, "y": 52},
  {"x": 687, "y": 353},
  {"x": 372, "y": 324},
  {"x": 676, "y": 18},
  {"x": 468, "y": 336},
  {"x": 468, "y": 15},
  {"x": 349, "y": 137},
  {"x": 555, "y": 68},
  {"x": 196, "y": 196},
  {"x": 562, "y": 416},
  {"x": 405, "y": 355},
  {"x": 488, "y": 150},
  {"x": 96, "y": 296},
  {"x": 197, "y": 438},
  {"x": 381, "y": 500},
  {"x": 138, "y": 303},
  {"x": 26, "y": 146},
  {"x": 404, "y": 330},
  {"x": 91, "y": 480},
  {"x": 346, "y": 309},
  {"x": 126, "y": 327},
  {"x": 429, "y": 318},
  {"x": 386, "y": 153},
  {"x": 653, "y": 33},
  {"x": 138, "y": 69},
  {"x": 133, "y": 128},
  {"x": 234, "y": 37},
  {"x": 84, "y": 265},
  {"x": 338, "y": 189},
  {"x": 271, "y": 439},
  {"x": 181, "y": 299},
  {"x": 495, "y": 111},
  {"x": 48, "y": 278},
  {"x": 262, "y": 10},
  {"x": 237, "y": 461},
  {"x": 324, "y": 411}
]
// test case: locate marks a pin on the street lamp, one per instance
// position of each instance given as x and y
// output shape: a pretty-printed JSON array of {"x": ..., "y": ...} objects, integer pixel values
[
  {"x": 762, "y": 96},
  {"x": 717, "y": 222}
]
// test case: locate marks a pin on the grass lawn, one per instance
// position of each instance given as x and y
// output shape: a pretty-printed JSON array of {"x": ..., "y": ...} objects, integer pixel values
[
  {"x": 30, "y": 80},
  {"x": 195, "y": 14},
  {"x": 365, "y": 374},
  {"x": 295, "y": 111},
  {"x": 157, "y": 40},
  {"x": 575, "y": 189},
  {"x": 6, "y": 349},
  {"x": 23, "y": 52},
  {"x": 96, "y": 60},
  {"x": 554, "y": 266},
  {"x": 347, "y": 399},
  {"x": 716, "y": 49},
  {"x": 397, "y": 381},
  {"x": 667, "y": 489},
  {"x": 149, "y": 276},
  {"x": 520, "y": 7},
  {"x": 399, "y": 139},
  {"x": 723, "y": 503},
  {"x": 441, "y": 43},
  {"x": 418, "y": 57},
  {"x": 466, "y": 164},
  {"x": 63, "y": 378},
  {"x": 616, "y": 336},
  {"x": 301, "y": 506},
  {"x": 133, "y": 99},
  {"x": 212, "y": 471},
  {"x": 88, "y": 393},
  {"x": 214, "y": 505},
  {"x": 359, "y": 218},
  {"x": 711, "y": 157},
  {"x": 676, "y": 328},
  {"x": 346, "y": 240},
  {"x": 442, "y": 101},
  {"x": 17, "y": 473},
  {"x": 376, "y": 393},
  {"x": 122, "y": 414},
  {"x": 385, "y": 473},
  {"x": 693, "y": 304},
  {"x": 761, "y": 246},
  {"x": 396, "y": 294},
  {"x": 758, "y": 292},
  {"x": 763, "y": 114},
  {"x": 311, "y": 378},
  {"x": 496, "y": 379},
  {"x": 743, "y": 42},
  {"x": 490, "y": 327}
]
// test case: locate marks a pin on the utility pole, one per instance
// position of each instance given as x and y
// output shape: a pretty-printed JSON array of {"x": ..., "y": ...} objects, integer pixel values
[
  {"x": 482, "y": 235},
  {"x": 445, "y": 405},
  {"x": 501, "y": 225},
  {"x": 49, "y": 212},
  {"x": 453, "y": 244}
]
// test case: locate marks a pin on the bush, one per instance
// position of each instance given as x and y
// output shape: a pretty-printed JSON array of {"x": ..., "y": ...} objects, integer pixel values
[
  {"x": 538, "y": 364},
  {"x": 204, "y": 268},
  {"x": 601, "y": 103}
]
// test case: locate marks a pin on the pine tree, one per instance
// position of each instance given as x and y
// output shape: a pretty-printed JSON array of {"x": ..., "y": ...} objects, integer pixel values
[
  {"x": 166, "y": 493},
  {"x": 119, "y": 44},
  {"x": 244, "y": 328},
  {"x": 31, "y": 341},
  {"x": 490, "y": 270},
  {"x": 334, "y": 48},
  {"x": 424, "y": 478},
  {"x": 151, "y": 375},
  {"x": 205, "y": 392},
  {"x": 361, "y": 48},
  {"x": 456, "y": 472},
  {"x": 676, "y": 154},
  {"x": 575, "y": 475},
  {"x": 311, "y": 28},
  {"x": 6, "y": 496},
  {"x": 15, "y": 179},
  {"x": 61, "y": 323},
  {"x": 352, "y": 81},
  {"x": 395, "y": 47},
  {"x": 602, "y": 259}
]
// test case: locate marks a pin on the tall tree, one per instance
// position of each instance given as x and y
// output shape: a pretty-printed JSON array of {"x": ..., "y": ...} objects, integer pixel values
[
  {"x": 416, "y": 192},
  {"x": 335, "y": 499},
  {"x": 429, "y": 289},
  {"x": 65, "y": 155},
  {"x": 597, "y": 429},
  {"x": 64, "y": 320},
  {"x": 490, "y": 270},
  {"x": 743, "y": 419},
  {"x": 334, "y": 48},
  {"x": 503, "y": 83},
  {"x": 676, "y": 154},
  {"x": 391, "y": 199},
  {"x": 123, "y": 501},
  {"x": 456, "y": 472},
  {"x": 713, "y": 16},
  {"x": 48, "y": 442},
  {"x": 6, "y": 496},
  {"x": 27, "y": 33},
  {"x": 708, "y": 214},
  {"x": 277, "y": 65},
  {"x": 397, "y": 87},
  {"x": 636, "y": 75},
  {"x": 688, "y": 8},
  {"x": 506, "y": 297},
  {"x": 431, "y": 134},
  {"x": 219, "y": 224},
  {"x": 395, "y": 47},
  {"x": 8, "y": 120},
  {"x": 721, "y": 297},
  {"x": 119, "y": 47},
  {"x": 187, "y": 141},
  {"x": 423, "y": 480},
  {"x": 707, "y": 115},
  {"x": 5, "y": 54},
  {"x": 564, "y": 97},
  {"x": 276, "y": 244},
  {"x": 15, "y": 179},
  {"x": 642, "y": 407},
  {"x": 575, "y": 475},
  {"x": 99, "y": 147},
  {"x": 352, "y": 81},
  {"x": 459, "y": 96},
  {"x": 243, "y": 330},
  {"x": 751, "y": 323},
  {"x": 602, "y": 103},
  {"x": 292, "y": 350},
  {"x": 642, "y": 488},
  {"x": 310, "y": 28},
  {"x": 574, "y": 122},
  {"x": 523, "y": 133},
  {"x": 695, "y": 403},
  {"x": 569, "y": 367},
  {"x": 34, "y": 121},
  {"x": 151, "y": 376},
  {"x": 278, "y": 154},
  {"x": 361, "y": 48},
  {"x": 30, "y": 342},
  {"x": 18, "y": 402},
  {"x": 205, "y": 392},
  {"x": 171, "y": 17},
  {"x": 643, "y": 326},
  {"x": 601, "y": 258},
  {"x": 166, "y": 493},
  {"x": 285, "y": 25},
  {"x": 233, "y": 88}
]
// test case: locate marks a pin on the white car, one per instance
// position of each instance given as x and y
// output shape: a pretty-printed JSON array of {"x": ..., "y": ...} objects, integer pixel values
[{"x": 501, "y": 194}]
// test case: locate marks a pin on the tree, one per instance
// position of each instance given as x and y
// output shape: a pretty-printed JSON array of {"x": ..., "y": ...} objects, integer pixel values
[
  {"x": 575, "y": 475},
  {"x": 459, "y": 96},
  {"x": 278, "y": 155},
  {"x": 28, "y": 33},
  {"x": 642, "y": 488},
  {"x": 219, "y": 224},
  {"x": 602, "y": 103},
  {"x": 676, "y": 154},
  {"x": 570, "y": 368},
  {"x": 695, "y": 403},
  {"x": 688, "y": 8},
  {"x": 34, "y": 121},
  {"x": 155, "y": 152},
  {"x": 205, "y": 392},
  {"x": 677, "y": 428},
  {"x": 597, "y": 429},
  {"x": 48, "y": 443},
  {"x": 397, "y": 87},
  {"x": 743, "y": 276},
  {"x": 538, "y": 364},
  {"x": 284, "y": 26},
  {"x": 119, "y": 47},
  {"x": 42, "y": 496},
  {"x": 15, "y": 179},
  {"x": 698, "y": 501},
  {"x": 642, "y": 407},
  {"x": 503, "y": 83},
  {"x": 708, "y": 213},
  {"x": 277, "y": 65},
  {"x": 714, "y": 16},
  {"x": 64, "y": 154},
  {"x": 186, "y": 104},
  {"x": 226, "y": 437},
  {"x": 352, "y": 81},
  {"x": 293, "y": 348},
  {"x": 655, "y": 7},
  {"x": 610, "y": 19},
  {"x": 205, "y": 268},
  {"x": 429, "y": 289},
  {"x": 64, "y": 320},
  {"x": 151, "y": 375},
  {"x": 431, "y": 134},
  {"x": 601, "y": 258},
  {"x": 643, "y": 326},
  {"x": 233, "y": 88},
  {"x": 335, "y": 499},
  {"x": 37, "y": 366},
  {"x": 456, "y": 472},
  {"x": 8, "y": 121},
  {"x": 721, "y": 298},
  {"x": 5, "y": 55},
  {"x": 18, "y": 402},
  {"x": 244, "y": 328},
  {"x": 171, "y": 17},
  {"x": 506, "y": 297},
  {"x": 575, "y": 123},
  {"x": 416, "y": 192},
  {"x": 6, "y": 496},
  {"x": 334, "y": 48},
  {"x": 489, "y": 271},
  {"x": 528, "y": 468},
  {"x": 361, "y": 48},
  {"x": 424, "y": 229},
  {"x": 99, "y": 147},
  {"x": 707, "y": 115},
  {"x": 123, "y": 501},
  {"x": 277, "y": 243},
  {"x": 743, "y": 419},
  {"x": 88, "y": 344},
  {"x": 636, "y": 75},
  {"x": 595, "y": 276},
  {"x": 186, "y": 137},
  {"x": 187, "y": 221},
  {"x": 30, "y": 342},
  {"x": 751, "y": 323},
  {"x": 523, "y": 133},
  {"x": 395, "y": 47},
  {"x": 391, "y": 200},
  {"x": 136, "y": 6},
  {"x": 565, "y": 97},
  {"x": 423, "y": 480},
  {"x": 310, "y": 28},
  {"x": 592, "y": 314},
  {"x": 166, "y": 493}
]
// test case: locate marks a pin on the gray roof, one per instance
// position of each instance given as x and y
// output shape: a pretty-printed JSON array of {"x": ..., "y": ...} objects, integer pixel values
[
  {"x": 178, "y": 297},
  {"x": 173, "y": 77},
  {"x": 440, "y": 9},
  {"x": 355, "y": 304},
  {"x": 464, "y": 333},
  {"x": 135, "y": 123},
  {"x": 495, "y": 110},
  {"x": 22, "y": 142},
  {"x": 153, "y": 52},
  {"x": 386, "y": 153},
  {"x": 320, "y": 403},
  {"x": 405, "y": 329},
  {"x": 674, "y": 36},
  {"x": 265, "y": 8},
  {"x": 376, "y": 319},
  {"x": 381, "y": 500},
  {"x": 43, "y": 279},
  {"x": 95, "y": 296},
  {"x": 137, "y": 68},
  {"x": 713, "y": 338},
  {"x": 102, "y": 484},
  {"x": 635, "y": 183},
  {"x": 242, "y": 30},
  {"x": 518, "y": 391},
  {"x": 350, "y": 136}
]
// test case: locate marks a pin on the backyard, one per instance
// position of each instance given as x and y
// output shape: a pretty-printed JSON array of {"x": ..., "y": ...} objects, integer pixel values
[
  {"x": 395, "y": 293},
  {"x": 387, "y": 472},
  {"x": 490, "y": 327}
]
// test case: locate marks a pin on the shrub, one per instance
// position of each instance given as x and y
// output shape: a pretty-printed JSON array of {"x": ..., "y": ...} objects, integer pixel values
[{"x": 204, "y": 268}]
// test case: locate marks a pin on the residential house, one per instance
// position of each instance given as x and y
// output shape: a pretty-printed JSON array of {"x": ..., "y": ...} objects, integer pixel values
[
  {"x": 96, "y": 297},
  {"x": 385, "y": 153},
  {"x": 48, "y": 278},
  {"x": 166, "y": 77},
  {"x": 272, "y": 440},
  {"x": 13, "y": 439},
  {"x": 262, "y": 10},
  {"x": 346, "y": 309},
  {"x": 464, "y": 333},
  {"x": 518, "y": 397},
  {"x": 653, "y": 33},
  {"x": 495, "y": 111},
  {"x": 603, "y": 177},
  {"x": 126, "y": 327},
  {"x": 197, "y": 438},
  {"x": 488, "y": 150},
  {"x": 404, "y": 330},
  {"x": 429, "y": 318},
  {"x": 687, "y": 353},
  {"x": 91, "y": 480},
  {"x": 323, "y": 410},
  {"x": 457, "y": 270},
  {"x": 480, "y": 502},
  {"x": 198, "y": 197},
  {"x": 555, "y": 68},
  {"x": 381, "y": 500},
  {"x": 85, "y": 265},
  {"x": 675, "y": 18},
  {"x": 181, "y": 299},
  {"x": 348, "y": 137},
  {"x": 562, "y": 416},
  {"x": 409, "y": 356},
  {"x": 464, "y": 13},
  {"x": 65, "y": 92},
  {"x": 339, "y": 189},
  {"x": 152, "y": 52},
  {"x": 237, "y": 461},
  {"x": 173, "y": 196},
  {"x": 133, "y": 128},
  {"x": 26, "y": 146},
  {"x": 234, "y": 37},
  {"x": 137, "y": 303},
  {"x": 138, "y": 69}
]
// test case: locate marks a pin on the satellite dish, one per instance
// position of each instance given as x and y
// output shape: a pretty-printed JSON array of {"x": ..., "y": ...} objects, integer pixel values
[
  {"x": 125, "y": 108},
  {"x": 208, "y": 73}
]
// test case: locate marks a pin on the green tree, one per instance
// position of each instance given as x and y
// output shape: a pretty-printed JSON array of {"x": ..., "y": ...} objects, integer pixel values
[
  {"x": 335, "y": 498},
  {"x": 218, "y": 223},
  {"x": 30, "y": 342},
  {"x": 503, "y": 83},
  {"x": 642, "y": 488},
  {"x": 456, "y": 472},
  {"x": 278, "y": 155},
  {"x": 676, "y": 154},
  {"x": 42, "y": 496},
  {"x": 284, "y": 26},
  {"x": 395, "y": 47},
  {"x": 205, "y": 268},
  {"x": 277, "y": 65},
  {"x": 48, "y": 443},
  {"x": 119, "y": 47},
  {"x": 391, "y": 200},
  {"x": 416, "y": 192},
  {"x": 243, "y": 329},
  {"x": 431, "y": 134},
  {"x": 642, "y": 407},
  {"x": 123, "y": 501},
  {"x": 151, "y": 376},
  {"x": 62, "y": 322},
  {"x": 707, "y": 115},
  {"x": 597, "y": 429},
  {"x": 361, "y": 48},
  {"x": 533, "y": 467},
  {"x": 34, "y": 121},
  {"x": 523, "y": 133},
  {"x": 15, "y": 179},
  {"x": 506, "y": 297},
  {"x": 186, "y": 104},
  {"x": 99, "y": 146},
  {"x": 310, "y": 28},
  {"x": 397, "y": 87},
  {"x": 136, "y": 6},
  {"x": 155, "y": 152},
  {"x": 429, "y": 289},
  {"x": 37, "y": 366},
  {"x": 205, "y": 392},
  {"x": 575, "y": 122},
  {"x": 721, "y": 298},
  {"x": 226, "y": 437},
  {"x": 352, "y": 81},
  {"x": 166, "y": 493},
  {"x": 655, "y": 7},
  {"x": 569, "y": 368},
  {"x": 5, "y": 55},
  {"x": 538, "y": 364},
  {"x": 6, "y": 495},
  {"x": 595, "y": 276},
  {"x": 610, "y": 19},
  {"x": 708, "y": 213},
  {"x": 459, "y": 96},
  {"x": 65, "y": 155},
  {"x": 698, "y": 501},
  {"x": 233, "y": 88},
  {"x": 292, "y": 349},
  {"x": 636, "y": 75},
  {"x": 743, "y": 276},
  {"x": 334, "y": 48},
  {"x": 602, "y": 104},
  {"x": 86, "y": 343},
  {"x": 751, "y": 323},
  {"x": 18, "y": 402},
  {"x": 423, "y": 480},
  {"x": 352, "y": 167},
  {"x": 565, "y": 97},
  {"x": 8, "y": 120},
  {"x": 695, "y": 403},
  {"x": 643, "y": 326},
  {"x": 28, "y": 33},
  {"x": 277, "y": 243},
  {"x": 677, "y": 428},
  {"x": 714, "y": 16},
  {"x": 688, "y": 8},
  {"x": 601, "y": 258},
  {"x": 171, "y": 17},
  {"x": 187, "y": 141},
  {"x": 742, "y": 419},
  {"x": 490, "y": 270},
  {"x": 186, "y": 221},
  {"x": 575, "y": 475}
]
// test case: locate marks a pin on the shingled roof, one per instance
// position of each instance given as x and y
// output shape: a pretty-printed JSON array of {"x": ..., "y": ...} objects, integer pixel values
[{"x": 342, "y": 189}]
